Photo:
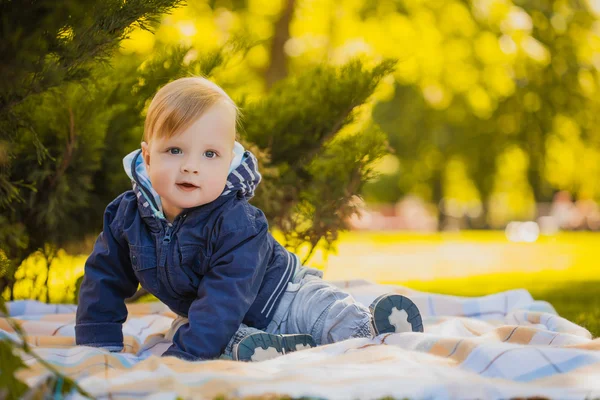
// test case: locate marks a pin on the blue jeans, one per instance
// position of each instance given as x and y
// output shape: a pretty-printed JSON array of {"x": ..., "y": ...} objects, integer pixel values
[{"x": 311, "y": 305}]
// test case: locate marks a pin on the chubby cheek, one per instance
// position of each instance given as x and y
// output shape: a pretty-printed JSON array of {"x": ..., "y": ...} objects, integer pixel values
[
  {"x": 215, "y": 186},
  {"x": 161, "y": 181}
]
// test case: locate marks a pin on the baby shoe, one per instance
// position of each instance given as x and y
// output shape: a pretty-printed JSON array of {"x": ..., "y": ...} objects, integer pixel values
[
  {"x": 393, "y": 313},
  {"x": 263, "y": 346}
]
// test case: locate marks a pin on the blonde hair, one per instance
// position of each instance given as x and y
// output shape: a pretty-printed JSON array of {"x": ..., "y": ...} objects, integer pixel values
[{"x": 179, "y": 104}]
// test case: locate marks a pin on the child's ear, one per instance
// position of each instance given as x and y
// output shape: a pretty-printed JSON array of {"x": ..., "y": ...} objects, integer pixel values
[{"x": 146, "y": 154}]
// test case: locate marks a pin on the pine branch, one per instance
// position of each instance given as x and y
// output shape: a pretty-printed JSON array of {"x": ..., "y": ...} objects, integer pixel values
[
  {"x": 341, "y": 121},
  {"x": 94, "y": 33}
]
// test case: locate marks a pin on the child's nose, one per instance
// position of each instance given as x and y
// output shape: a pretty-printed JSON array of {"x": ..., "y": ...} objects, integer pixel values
[{"x": 190, "y": 167}]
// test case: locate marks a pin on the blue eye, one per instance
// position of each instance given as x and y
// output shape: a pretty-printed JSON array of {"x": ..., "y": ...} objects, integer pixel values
[
  {"x": 210, "y": 154},
  {"x": 174, "y": 150}
]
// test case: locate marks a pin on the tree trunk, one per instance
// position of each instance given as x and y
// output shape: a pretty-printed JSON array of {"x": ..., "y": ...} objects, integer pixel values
[
  {"x": 278, "y": 68},
  {"x": 437, "y": 194},
  {"x": 11, "y": 287},
  {"x": 49, "y": 259}
]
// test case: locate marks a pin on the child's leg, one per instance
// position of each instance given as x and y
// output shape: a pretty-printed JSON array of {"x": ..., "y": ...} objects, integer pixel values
[
  {"x": 310, "y": 305},
  {"x": 313, "y": 306}
]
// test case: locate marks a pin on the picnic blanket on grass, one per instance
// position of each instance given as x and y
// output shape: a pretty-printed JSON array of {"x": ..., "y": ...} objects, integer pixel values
[{"x": 499, "y": 346}]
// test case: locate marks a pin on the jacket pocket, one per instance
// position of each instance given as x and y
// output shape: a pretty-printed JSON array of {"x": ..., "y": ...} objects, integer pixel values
[
  {"x": 143, "y": 262},
  {"x": 193, "y": 259}
]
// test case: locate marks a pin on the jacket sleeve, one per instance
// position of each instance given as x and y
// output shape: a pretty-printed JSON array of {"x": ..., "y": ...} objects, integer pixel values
[
  {"x": 108, "y": 280},
  {"x": 226, "y": 292}
]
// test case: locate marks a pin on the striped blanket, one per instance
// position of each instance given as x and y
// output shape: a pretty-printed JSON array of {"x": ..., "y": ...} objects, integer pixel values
[{"x": 500, "y": 346}]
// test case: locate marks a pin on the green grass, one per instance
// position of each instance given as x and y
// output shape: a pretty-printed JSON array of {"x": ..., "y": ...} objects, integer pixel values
[
  {"x": 576, "y": 301},
  {"x": 561, "y": 269}
]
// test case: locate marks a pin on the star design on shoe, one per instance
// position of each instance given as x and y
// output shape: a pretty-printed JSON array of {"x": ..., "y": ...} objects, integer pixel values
[
  {"x": 399, "y": 319},
  {"x": 261, "y": 354}
]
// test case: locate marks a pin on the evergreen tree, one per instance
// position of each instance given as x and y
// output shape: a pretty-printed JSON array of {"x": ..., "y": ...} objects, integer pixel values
[
  {"x": 312, "y": 173},
  {"x": 49, "y": 125}
]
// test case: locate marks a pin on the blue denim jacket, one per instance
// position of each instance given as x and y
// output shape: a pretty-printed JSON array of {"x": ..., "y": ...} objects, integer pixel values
[{"x": 216, "y": 264}]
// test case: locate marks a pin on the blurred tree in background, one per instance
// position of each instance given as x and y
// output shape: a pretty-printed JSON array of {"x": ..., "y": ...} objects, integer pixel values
[{"x": 500, "y": 95}]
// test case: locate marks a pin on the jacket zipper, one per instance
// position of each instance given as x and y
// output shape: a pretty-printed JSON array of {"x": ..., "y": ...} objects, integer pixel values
[
  {"x": 164, "y": 252},
  {"x": 165, "y": 246}
]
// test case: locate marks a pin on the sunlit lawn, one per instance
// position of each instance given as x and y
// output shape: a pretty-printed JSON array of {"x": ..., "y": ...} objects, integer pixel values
[{"x": 561, "y": 269}]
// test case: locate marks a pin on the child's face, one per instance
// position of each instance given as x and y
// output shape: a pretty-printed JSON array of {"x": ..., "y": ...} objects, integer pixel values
[{"x": 190, "y": 169}]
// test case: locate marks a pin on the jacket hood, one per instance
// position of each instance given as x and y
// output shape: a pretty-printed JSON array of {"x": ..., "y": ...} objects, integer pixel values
[{"x": 242, "y": 180}]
